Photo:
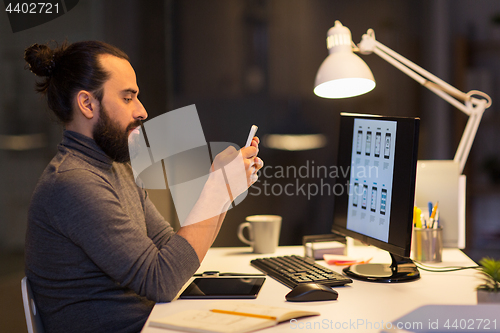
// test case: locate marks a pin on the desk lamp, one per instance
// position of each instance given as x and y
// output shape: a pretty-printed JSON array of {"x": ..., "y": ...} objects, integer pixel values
[{"x": 344, "y": 74}]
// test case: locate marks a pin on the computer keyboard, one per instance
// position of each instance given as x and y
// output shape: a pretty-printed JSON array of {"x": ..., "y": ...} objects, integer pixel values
[{"x": 293, "y": 270}]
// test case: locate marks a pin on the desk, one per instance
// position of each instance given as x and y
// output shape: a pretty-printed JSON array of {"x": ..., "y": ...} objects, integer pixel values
[{"x": 372, "y": 303}]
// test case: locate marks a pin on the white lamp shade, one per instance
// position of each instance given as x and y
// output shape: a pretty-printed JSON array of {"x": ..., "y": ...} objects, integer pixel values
[{"x": 342, "y": 75}]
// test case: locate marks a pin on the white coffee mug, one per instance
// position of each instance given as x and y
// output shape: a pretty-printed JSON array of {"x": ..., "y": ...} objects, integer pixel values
[{"x": 264, "y": 232}]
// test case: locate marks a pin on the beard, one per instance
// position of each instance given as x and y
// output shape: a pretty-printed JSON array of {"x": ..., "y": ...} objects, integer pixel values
[{"x": 113, "y": 140}]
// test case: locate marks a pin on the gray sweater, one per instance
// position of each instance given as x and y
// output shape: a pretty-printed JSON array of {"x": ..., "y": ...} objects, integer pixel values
[{"x": 98, "y": 253}]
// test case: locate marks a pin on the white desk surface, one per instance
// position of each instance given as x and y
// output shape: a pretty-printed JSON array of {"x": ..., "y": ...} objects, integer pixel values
[{"x": 361, "y": 306}]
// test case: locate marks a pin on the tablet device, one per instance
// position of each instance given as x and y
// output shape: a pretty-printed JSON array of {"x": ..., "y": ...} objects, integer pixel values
[{"x": 223, "y": 287}]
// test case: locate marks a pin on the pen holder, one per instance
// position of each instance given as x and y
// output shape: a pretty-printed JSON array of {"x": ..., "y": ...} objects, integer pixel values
[{"x": 427, "y": 244}]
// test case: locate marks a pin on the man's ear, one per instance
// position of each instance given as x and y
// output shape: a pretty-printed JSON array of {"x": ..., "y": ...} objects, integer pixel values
[{"x": 87, "y": 104}]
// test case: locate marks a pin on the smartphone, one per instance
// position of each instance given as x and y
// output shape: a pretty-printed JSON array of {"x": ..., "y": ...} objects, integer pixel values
[
  {"x": 253, "y": 130},
  {"x": 358, "y": 142},
  {"x": 383, "y": 201},
  {"x": 364, "y": 197},
  {"x": 368, "y": 146},
  {"x": 355, "y": 195},
  {"x": 387, "y": 148},
  {"x": 378, "y": 139},
  {"x": 373, "y": 200}
]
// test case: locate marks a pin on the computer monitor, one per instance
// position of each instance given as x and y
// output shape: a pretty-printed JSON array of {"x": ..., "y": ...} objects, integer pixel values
[{"x": 377, "y": 158}]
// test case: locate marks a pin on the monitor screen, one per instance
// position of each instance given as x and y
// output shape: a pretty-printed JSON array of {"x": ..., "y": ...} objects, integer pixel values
[{"x": 378, "y": 156}]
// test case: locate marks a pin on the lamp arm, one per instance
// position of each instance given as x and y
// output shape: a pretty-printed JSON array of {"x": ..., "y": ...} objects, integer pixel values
[
  {"x": 429, "y": 77},
  {"x": 473, "y": 107},
  {"x": 470, "y": 131},
  {"x": 422, "y": 80}
]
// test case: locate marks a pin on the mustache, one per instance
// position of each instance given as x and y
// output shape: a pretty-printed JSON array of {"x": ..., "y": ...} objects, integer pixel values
[{"x": 133, "y": 125}]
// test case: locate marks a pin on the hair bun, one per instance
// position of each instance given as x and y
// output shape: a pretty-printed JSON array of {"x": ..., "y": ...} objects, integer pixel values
[{"x": 40, "y": 59}]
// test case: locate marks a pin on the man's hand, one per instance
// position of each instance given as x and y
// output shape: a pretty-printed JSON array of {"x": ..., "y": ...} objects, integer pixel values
[
  {"x": 254, "y": 162},
  {"x": 238, "y": 168},
  {"x": 232, "y": 173}
]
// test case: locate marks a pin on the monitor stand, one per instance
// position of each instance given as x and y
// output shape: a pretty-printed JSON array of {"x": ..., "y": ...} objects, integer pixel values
[{"x": 401, "y": 269}]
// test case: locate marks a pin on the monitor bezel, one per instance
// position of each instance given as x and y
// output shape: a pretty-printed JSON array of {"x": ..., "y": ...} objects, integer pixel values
[{"x": 405, "y": 168}]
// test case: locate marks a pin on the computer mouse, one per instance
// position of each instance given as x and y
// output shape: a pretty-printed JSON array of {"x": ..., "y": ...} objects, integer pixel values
[{"x": 307, "y": 292}]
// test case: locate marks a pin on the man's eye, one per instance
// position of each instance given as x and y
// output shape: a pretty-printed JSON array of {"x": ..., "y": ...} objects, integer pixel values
[{"x": 127, "y": 99}]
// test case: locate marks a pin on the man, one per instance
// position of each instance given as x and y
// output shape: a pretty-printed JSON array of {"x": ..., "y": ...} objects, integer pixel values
[{"x": 98, "y": 253}]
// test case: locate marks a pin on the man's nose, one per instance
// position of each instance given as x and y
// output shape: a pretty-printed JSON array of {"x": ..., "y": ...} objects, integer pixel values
[{"x": 141, "y": 112}]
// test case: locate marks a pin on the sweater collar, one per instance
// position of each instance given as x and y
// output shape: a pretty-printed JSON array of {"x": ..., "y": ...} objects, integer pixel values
[{"x": 86, "y": 147}]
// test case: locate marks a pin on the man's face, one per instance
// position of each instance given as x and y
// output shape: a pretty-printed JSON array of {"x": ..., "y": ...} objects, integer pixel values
[
  {"x": 120, "y": 111},
  {"x": 111, "y": 138}
]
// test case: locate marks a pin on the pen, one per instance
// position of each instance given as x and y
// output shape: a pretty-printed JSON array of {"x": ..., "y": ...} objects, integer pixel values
[
  {"x": 217, "y": 273},
  {"x": 433, "y": 215},
  {"x": 417, "y": 220},
  {"x": 429, "y": 204},
  {"x": 437, "y": 218},
  {"x": 243, "y": 314}
]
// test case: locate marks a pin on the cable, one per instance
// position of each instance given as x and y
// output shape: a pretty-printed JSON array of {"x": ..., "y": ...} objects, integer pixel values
[{"x": 443, "y": 269}]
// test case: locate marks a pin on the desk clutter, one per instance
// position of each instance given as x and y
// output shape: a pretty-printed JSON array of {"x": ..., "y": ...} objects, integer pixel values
[
  {"x": 229, "y": 317},
  {"x": 294, "y": 270},
  {"x": 427, "y": 236},
  {"x": 316, "y": 246},
  {"x": 264, "y": 232},
  {"x": 369, "y": 306},
  {"x": 426, "y": 218}
]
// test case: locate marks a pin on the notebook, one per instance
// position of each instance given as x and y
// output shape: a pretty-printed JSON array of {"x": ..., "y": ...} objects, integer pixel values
[{"x": 229, "y": 317}]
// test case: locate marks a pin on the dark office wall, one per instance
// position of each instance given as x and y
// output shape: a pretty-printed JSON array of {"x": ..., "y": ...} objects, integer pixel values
[
  {"x": 241, "y": 62},
  {"x": 246, "y": 62},
  {"x": 142, "y": 29},
  {"x": 24, "y": 116}
]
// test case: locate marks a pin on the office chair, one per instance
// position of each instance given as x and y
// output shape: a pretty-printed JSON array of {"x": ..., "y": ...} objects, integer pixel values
[{"x": 33, "y": 320}]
